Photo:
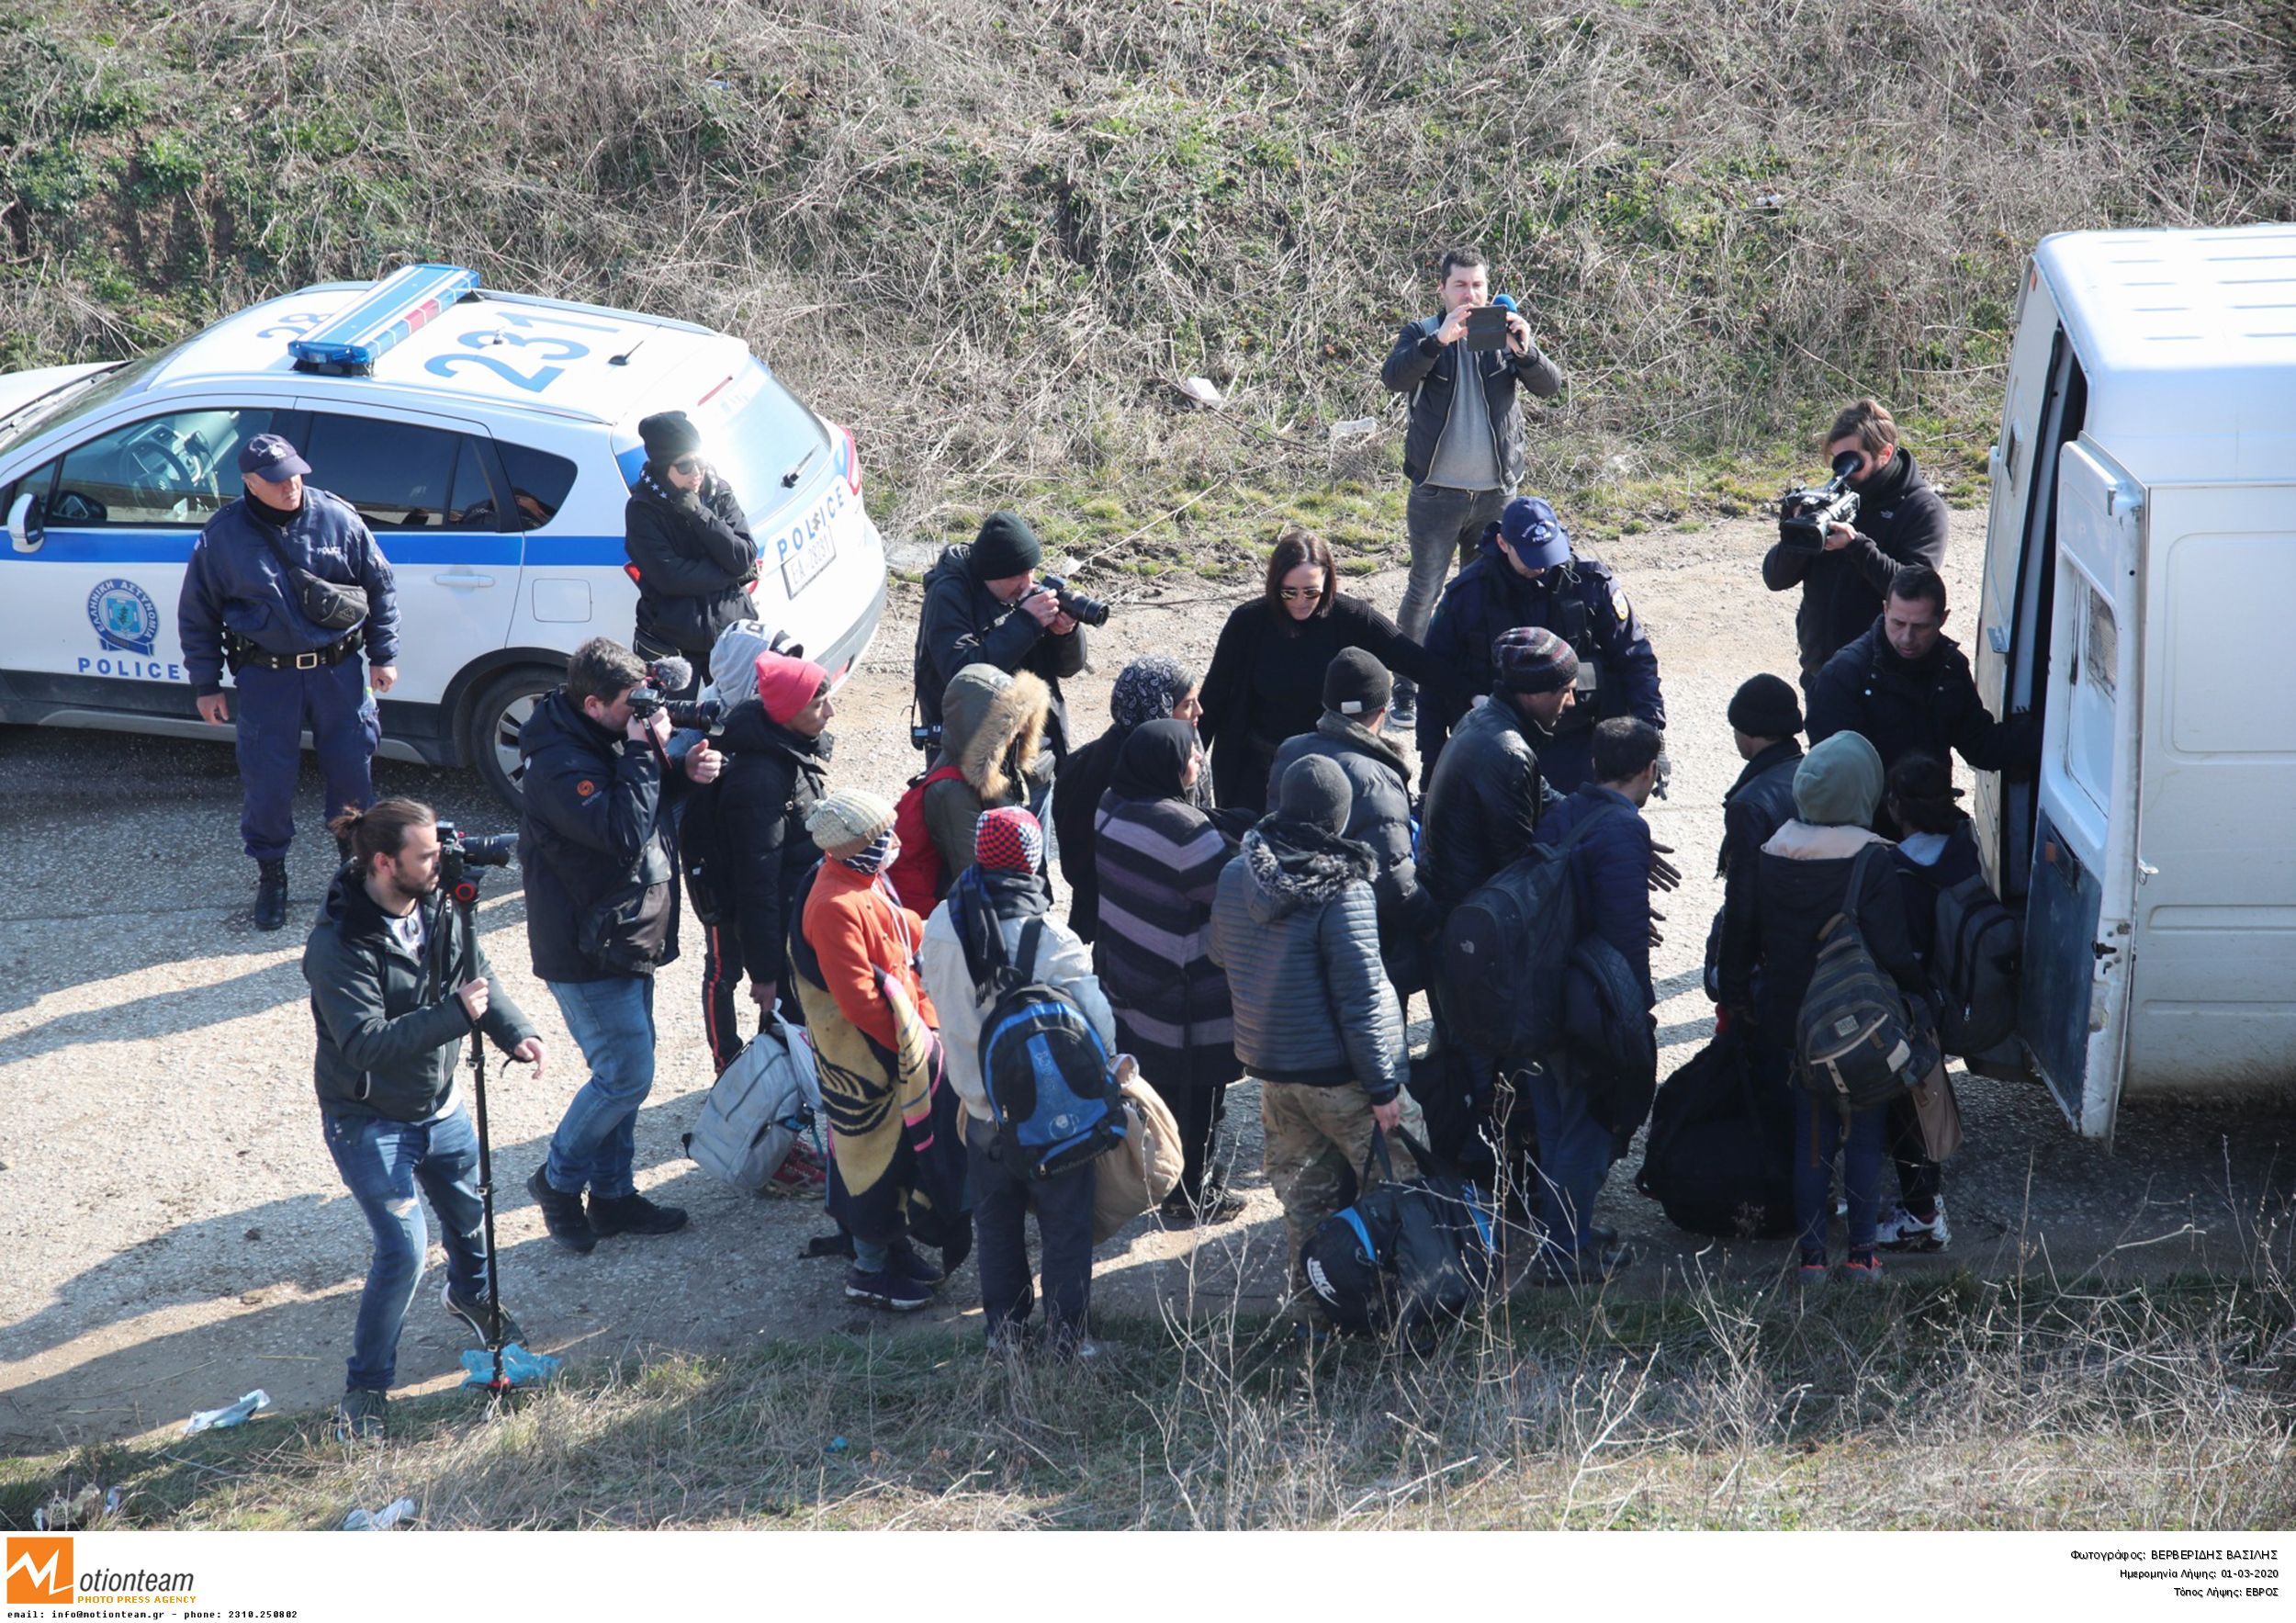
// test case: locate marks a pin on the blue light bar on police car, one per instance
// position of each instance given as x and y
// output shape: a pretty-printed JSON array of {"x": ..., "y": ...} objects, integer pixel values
[{"x": 391, "y": 311}]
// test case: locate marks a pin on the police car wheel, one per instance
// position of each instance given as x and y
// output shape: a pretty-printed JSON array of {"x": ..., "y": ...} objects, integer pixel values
[{"x": 499, "y": 710}]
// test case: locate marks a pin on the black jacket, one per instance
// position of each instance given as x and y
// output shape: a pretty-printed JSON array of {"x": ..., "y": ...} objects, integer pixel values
[
  {"x": 1794, "y": 895},
  {"x": 963, "y": 622},
  {"x": 597, "y": 846},
  {"x": 1483, "y": 808},
  {"x": 1901, "y": 522},
  {"x": 1758, "y": 805},
  {"x": 1379, "y": 818},
  {"x": 390, "y": 1028},
  {"x": 695, "y": 562},
  {"x": 1931, "y": 705},
  {"x": 1428, "y": 372},
  {"x": 743, "y": 860},
  {"x": 1581, "y": 603},
  {"x": 1266, "y": 684}
]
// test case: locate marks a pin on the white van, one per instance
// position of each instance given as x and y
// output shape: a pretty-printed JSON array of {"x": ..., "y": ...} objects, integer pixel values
[
  {"x": 2140, "y": 591},
  {"x": 489, "y": 440}
]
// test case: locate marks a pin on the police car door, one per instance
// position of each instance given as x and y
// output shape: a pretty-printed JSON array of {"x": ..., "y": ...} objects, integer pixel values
[
  {"x": 2074, "y": 1003},
  {"x": 426, "y": 487},
  {"x": 91, "y": 590}
]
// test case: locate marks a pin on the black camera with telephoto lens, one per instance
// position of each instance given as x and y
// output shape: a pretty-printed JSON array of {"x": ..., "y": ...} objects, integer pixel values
[
  {"x": 459, "y": 852},
  {"x": 1085, "y": 611},
  {"x": 1804, "y": 514}
]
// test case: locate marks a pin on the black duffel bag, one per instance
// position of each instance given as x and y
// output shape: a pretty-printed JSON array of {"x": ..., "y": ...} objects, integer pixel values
[
  {"x": 1720, "y": 1155},
  {"x": 1413, "y": 1257}
]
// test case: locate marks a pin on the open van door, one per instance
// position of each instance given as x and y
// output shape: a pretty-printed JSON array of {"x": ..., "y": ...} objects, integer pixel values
[{"x": 2073, "y": 1010}]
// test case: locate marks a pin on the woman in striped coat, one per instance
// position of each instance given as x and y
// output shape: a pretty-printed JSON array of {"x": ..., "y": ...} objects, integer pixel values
[{"x": 1158, "y": 861}]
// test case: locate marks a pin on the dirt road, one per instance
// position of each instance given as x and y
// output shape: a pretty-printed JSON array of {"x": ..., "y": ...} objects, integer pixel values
[{"x": 175, "y": 1233}]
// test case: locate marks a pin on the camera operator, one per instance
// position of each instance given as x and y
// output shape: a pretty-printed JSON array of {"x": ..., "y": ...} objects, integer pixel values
[
  {"x": 397, "y": 982},
  {"x": 984, "y": 604},
  {"x": 1900, "y": 525},
  {"x": 599, "y": 852}
]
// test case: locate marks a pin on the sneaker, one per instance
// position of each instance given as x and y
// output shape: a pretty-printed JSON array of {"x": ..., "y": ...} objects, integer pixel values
[
  {"x": 1592, "y": 1265},
  {"x": 1863, "y": 1268},
  {"x": 271, "y": 888},
  {"x": 1813, "y": 1269},
  {"x": 1071, "y": 1346},
  {"x": 800, "y": 1172},
  {"x": 633, "y": 1215},
  {"x": 562, "y": 1214},
  {"x": 474, "y": 1312},
  {"x": 1402, "y": 720},
  {"x": 910, "y": 1263},
  {"x": 887, "y": 1289},
  {"x": 1902, "y": 1230},
  {"x": 359, "y": 1417}
]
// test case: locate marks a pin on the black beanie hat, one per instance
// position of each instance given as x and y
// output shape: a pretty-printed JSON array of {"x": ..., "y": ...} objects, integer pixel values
[
  {"x": 1315, "y": 791},
  {"x": 1766, "y": 707},
  {"x": 1355, "y": 684},
  {"x": 667, "y": 435},
  {"x": 1004, "y": 547}
]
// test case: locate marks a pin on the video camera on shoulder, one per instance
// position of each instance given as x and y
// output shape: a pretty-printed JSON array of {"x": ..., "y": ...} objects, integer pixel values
[
  {"x": 1804, "y": 513},
  {"x": 667, "y": 676}
]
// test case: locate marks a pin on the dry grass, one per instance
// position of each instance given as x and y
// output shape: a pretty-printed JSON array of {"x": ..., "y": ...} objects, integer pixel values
[{"x": 990, "y": 236}]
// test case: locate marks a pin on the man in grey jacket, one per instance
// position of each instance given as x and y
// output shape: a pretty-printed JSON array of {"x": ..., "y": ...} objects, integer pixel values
[
  {"x": 1463, "y": 450},
  {"x": 1295, "y": 927},
  {"x": 397, "y": 983}
]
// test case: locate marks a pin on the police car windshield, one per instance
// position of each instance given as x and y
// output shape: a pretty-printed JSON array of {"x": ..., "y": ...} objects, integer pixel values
[
  {"x": 760, "y": 439},
  {"x": 75, "y": 399}
]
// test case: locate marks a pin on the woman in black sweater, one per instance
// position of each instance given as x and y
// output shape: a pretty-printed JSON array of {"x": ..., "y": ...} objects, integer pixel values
[{"x": 1266, "y": 684}]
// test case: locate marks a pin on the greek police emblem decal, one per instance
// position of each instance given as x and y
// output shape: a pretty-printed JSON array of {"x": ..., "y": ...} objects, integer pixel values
[{"x": 124, "y": 616}]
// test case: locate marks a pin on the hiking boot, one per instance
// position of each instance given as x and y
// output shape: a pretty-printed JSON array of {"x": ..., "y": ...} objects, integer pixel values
[
  {"x": 359, "y": 1417},
  {"x": 911, "y": 1264},
  {"x": 1902, "y": 1230},
  {"x": 474, "y": 1312},
  {"x": 800, "y": 1172},
  {"x": 1863, "y": 1267},
  {"x": 1217, "y": 1204},
  {"x": 1592, "y": 1265},
  {"x": 887, "y": 1289},
  {"x": 270, "y": 893},
  {"x": 562, "y": 1214},
  {"x": 633, "y": 1215}
]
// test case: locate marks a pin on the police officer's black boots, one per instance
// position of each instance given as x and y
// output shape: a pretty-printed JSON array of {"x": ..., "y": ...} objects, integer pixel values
[{"x": 270, "y": 893}]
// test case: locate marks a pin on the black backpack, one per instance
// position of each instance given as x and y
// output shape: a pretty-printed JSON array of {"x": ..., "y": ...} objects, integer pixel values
[
  {"x": 1501, "y": 959},
  {"x": 1855, "y": 1039},
  {"x": 1973, "y": 960},
  {"x": 1051, "y": 1083},
  {"x": 1412, "y": 1258},
  {"x": 1719, "y": 1156}
]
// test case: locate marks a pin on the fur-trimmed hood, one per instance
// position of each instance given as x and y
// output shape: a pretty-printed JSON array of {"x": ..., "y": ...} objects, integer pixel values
[
  {"x": 992, "y": 725},
  {"x": 1286, "y": 876}
]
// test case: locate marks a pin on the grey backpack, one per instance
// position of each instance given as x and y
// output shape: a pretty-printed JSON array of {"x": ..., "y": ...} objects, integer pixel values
[
  {"x": 760, "y": 1106},
  {"x": 1856, "y": 1039}
]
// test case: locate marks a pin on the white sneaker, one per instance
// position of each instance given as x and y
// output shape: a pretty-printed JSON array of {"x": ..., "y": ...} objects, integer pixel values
[{"x": 1901, "y": 1231}]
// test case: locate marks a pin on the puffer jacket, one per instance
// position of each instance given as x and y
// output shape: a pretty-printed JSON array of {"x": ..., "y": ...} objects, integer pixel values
[
  {"x": 992, "y": 733},
  {"x": 1483, "y": 807},
  {"x": 1297, "y": 932},
  {"x": 390, "y": 1028},
  {"x": 963, "y": 622},
  {"x": 1063, "y": 963},
  {"x": 597, "y": 848},
  {"x": 695, "y": 563},
  {"x": 1380, "y": 819},
  {"x": 773, "y": 777}
]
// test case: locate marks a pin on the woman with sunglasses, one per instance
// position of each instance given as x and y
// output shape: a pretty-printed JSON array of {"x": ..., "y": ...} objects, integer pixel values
[
  {"x": 1266, "y": 684},
  {"x": 689, "y": 547}
]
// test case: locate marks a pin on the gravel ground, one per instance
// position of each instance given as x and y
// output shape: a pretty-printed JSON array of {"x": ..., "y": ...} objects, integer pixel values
[{"x": 176, "y": 1235}]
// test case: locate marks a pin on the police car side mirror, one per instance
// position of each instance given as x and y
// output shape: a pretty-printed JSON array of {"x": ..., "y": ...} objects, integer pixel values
[{"x": 23, "y": 533}]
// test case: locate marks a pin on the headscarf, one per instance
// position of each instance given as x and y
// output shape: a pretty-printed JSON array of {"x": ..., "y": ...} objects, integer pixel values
[
  {"x": 1147, "y": 689},
  {"x": 1155, "y": 761}
]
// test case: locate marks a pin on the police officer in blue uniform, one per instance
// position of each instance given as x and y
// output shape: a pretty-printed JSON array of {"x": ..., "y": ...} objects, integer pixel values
[
  {"x": 274, "y": 590},
  {"x": 1526, "y": 574}
]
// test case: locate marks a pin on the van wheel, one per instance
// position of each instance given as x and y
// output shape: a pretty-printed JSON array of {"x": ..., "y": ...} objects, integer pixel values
[{"x": 490, "y": 735}]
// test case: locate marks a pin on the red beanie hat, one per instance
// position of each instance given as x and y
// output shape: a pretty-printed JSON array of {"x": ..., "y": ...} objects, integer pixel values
[{"x": 785, "y": 685}]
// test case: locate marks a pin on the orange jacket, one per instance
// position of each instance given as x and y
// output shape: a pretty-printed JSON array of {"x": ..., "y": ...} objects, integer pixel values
[{"x": 856, "y": 928}]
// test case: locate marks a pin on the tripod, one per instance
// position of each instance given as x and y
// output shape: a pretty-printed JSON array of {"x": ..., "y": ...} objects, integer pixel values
[{"x": 461, "y": 886}]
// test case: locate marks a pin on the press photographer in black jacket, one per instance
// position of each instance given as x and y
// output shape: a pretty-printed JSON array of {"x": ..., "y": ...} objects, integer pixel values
[{"x": 690, "y": 544}]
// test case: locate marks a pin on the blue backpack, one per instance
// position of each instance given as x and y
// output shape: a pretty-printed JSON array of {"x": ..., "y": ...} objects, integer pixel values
[{"x": 1051, "y": 1083}]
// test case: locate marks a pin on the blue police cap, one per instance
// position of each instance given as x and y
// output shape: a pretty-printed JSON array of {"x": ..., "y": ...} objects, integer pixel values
[
  {"x": 269, "y": 457},
  {"x": 1533, "y": 534}
]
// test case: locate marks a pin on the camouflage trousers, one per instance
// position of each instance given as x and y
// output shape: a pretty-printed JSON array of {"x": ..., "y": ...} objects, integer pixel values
[{"x": 1317, "y": 1139}]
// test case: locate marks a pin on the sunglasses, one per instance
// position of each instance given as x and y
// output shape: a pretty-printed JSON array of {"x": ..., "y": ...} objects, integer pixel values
[
  {"x": 1298, "y": 594},
  {"x": 686, "y": 465}
]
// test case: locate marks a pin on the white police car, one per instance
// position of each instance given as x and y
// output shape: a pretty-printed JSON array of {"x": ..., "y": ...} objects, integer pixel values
[{"x": 487, "y": 438}]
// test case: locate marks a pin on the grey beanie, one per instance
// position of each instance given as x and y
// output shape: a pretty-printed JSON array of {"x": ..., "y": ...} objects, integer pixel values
[
  {"x": 1316, "y": 792},
  {"x": 734, "y": 660},
  {"x": 1839, "y": 782}
]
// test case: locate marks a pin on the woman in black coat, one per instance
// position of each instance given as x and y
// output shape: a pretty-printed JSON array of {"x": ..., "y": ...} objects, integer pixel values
[
  {"x": 689, "y": 544},
  {"x": 1266, "y": 684},
  {"x": 1154, "y": 687}
]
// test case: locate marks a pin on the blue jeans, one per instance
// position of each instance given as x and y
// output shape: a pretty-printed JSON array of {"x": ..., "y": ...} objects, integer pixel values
[
  {"x": 1574, "y": 1156},
  {"x": 1001, "y": 1204},
  {"x": 612, "y": 1021},
  {"x": 1817, "y": 1134},
  {"x": 1443, "y": 524},
  {"x": 382, "y": 1162},
  {"x": 272, "y": 710}
]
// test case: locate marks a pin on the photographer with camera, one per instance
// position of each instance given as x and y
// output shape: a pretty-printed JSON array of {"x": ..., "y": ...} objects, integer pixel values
[
  {"x": 598, "y": 848},
  {"x": 689, "y": 547},
  {"x": 984, "y": 604},
  {"x": 1845, "y": 565},
  {"x": 399, "y": 980}
]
